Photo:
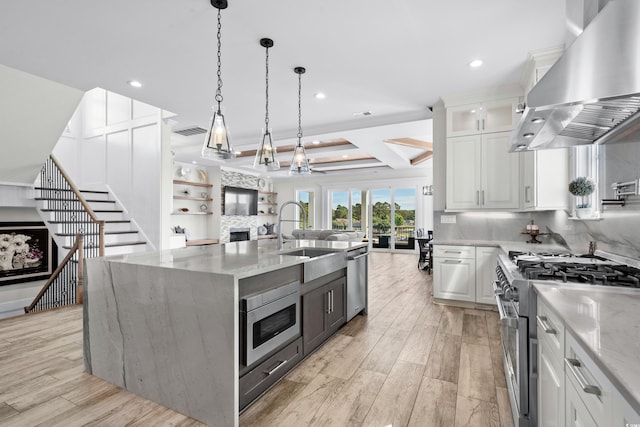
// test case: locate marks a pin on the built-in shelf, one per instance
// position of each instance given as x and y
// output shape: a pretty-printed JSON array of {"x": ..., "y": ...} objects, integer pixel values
[
  {"x": 575, "y": 218},
  {"x": 267, "y": 236},
  {"x": 202, "y": 242},
  {"x": 267, "y": 214},
  {"x": 192, "y": 213},
  {"x": 200, "y": 199},
  {"x": 268, "y": 203},
  {"x": 267, "y": 192},
  {"x": 195, "y": 184}
]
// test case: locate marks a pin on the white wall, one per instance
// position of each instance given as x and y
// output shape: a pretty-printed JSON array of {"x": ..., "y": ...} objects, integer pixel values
[{"x": 120, "y": 143}]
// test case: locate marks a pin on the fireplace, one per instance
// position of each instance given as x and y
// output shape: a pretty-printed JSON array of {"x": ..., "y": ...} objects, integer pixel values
[{"x": 239, "y": 234}]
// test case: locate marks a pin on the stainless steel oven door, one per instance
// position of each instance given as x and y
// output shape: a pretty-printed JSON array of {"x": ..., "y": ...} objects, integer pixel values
[
  {"x": 270, "y": 326},
  {"x": 513, "y": 330}
]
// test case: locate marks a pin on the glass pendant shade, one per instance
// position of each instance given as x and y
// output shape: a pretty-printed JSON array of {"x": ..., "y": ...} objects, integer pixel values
[
  {"x": 300, "y": 162},
  {"x": 216, "y": 144},
  {"x": 266, "y": 156}
]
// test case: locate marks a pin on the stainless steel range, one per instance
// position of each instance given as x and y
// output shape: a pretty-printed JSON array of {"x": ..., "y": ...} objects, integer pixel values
[{"x": 516, "y": 301}]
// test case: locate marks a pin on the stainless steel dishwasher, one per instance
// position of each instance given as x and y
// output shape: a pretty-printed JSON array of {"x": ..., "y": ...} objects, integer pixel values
[{"x": 357, "y": 282}]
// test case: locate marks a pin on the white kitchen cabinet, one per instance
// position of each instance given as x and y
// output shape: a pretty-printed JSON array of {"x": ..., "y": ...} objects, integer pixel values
[
  {"x": 482, "y": 117},
  {"x": 551, "y": 394},
  {"x": 577, "y": 414},
  {"x": 545, "y": 178},
  {"x": 538, "y": 63},
  {"x": 481, "y": 173},
  {"x": 464, "y": 273},
  {"x": 486, "y": 260},
  {"x": 454, "y": 273},
  {"x": 623, "y": 414}
]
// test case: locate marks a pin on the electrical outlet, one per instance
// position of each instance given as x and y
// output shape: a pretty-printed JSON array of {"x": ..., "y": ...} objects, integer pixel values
[{"x": 447, "y": 219}]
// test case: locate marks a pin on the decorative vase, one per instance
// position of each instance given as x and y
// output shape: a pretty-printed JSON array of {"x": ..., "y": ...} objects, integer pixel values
[{"x": 584, "y": 212}]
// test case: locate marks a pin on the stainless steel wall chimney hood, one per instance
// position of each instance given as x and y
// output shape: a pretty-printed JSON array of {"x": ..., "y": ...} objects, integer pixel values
[{"x": 591, "y": 95}]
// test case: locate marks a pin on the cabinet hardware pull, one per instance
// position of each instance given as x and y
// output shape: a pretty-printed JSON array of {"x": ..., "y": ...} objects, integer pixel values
[
  {"x": 482, "y": 198},
  {"x": 477, "y": 197},
  {"x": 452, "y": 252},
  {"x": 496, "y": 289},
  {"x": 328, "y": 302},
  {"x": 542, "y": 321},
  {"x": 482, "y": 124},
  {"x": 452, "y": 261},
  {"x": 573, "y": 365},
  {"x": 477, "y": 124},
  {"x": 358, "y": 257},
  {"x": 526, "y": 193},
  {"x": 280, "y": 365}
]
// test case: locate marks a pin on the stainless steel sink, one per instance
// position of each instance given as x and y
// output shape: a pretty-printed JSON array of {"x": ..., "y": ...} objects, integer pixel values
[
  {"x": 311, "y": 253},
  {"x": 321, "y": 262}
]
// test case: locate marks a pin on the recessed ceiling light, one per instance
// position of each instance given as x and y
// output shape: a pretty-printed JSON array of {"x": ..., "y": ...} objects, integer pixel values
[
  {"x": 320, "y": 95},
  {"x": 134, "y": 83},
  {"x": 362, "y": 113},
  {"x": 316, "y": 142},
  {"x": 537, "y": 120},
  {"x": 528, "y": 135},
  {"x": 344, "y": 156},
  {"x": 475, "y": 63},
  {"x": 238, "y": 153},
  {"x": 194, "y": 162}
]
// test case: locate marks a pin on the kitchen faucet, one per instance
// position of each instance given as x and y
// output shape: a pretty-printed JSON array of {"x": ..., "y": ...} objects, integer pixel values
[{"x": 280, "y": 220}]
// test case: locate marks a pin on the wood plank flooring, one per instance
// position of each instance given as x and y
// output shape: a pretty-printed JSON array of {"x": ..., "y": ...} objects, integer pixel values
[{"x": 409, "y": 362}]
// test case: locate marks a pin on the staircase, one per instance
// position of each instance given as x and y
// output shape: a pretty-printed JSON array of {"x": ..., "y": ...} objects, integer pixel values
[
  {"x": 84, "y": 224},
  {"x": 120, "y": 235}
]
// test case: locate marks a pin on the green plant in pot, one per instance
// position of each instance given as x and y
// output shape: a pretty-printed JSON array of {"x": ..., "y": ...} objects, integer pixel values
[{"x": 582, "y": 187}]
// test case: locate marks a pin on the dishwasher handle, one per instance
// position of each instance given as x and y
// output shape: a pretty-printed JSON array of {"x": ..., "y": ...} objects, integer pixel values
[{"x": 353, "y": 258}]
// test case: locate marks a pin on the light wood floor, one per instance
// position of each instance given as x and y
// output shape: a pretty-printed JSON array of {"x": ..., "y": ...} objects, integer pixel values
[{"x": 409, "y": 362}]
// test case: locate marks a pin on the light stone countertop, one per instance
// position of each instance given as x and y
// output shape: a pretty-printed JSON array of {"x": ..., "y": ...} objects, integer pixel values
[
  {"x": 238, "y": 259},
  {"x": 606, "y": 322},
  {"x": 505, "y": 245}
]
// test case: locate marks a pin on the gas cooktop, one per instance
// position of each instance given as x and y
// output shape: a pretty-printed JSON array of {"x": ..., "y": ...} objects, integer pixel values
[{"x": 570, "y": 268}]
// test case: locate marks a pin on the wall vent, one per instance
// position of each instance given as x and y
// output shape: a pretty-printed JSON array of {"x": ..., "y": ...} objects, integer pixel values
[{"x": 190, "y": 131}]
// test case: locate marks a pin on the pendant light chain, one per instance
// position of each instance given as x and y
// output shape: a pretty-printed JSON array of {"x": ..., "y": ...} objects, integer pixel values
[
  {"x": 266, "y": 109},
  {"x": 219, "y": 89},
  {"x": 300, "y": 108}
]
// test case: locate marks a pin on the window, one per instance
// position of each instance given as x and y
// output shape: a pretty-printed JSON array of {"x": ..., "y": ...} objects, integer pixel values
[
  {"x": 306, "y": 199},
  {"x": 339, "y": 210},
  {"x": 586, "y": 164}
]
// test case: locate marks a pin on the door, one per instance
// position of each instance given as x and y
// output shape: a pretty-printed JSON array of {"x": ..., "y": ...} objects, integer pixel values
[
  {"x": 336, "y": 315},
  {"x": 486, "y": 260},
  {"x": 463, "y": 120},
  {"x": 500, "y": 169},
  {"x": 454, "y": 279},
  {"x": 381, "y": 218},
  {"x": 404, "y": 214},
  {"x": 463, "y": 172},
  {"x": 314, "y": 330},
  {"x": 499, "y": 116},
  {"x": 577, "y": 414}
]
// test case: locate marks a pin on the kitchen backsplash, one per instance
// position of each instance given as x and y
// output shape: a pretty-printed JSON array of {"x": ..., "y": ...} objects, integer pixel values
[{"x": 618, "y": 230}]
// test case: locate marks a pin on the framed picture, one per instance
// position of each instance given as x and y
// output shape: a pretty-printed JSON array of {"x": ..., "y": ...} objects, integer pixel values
[{"x": 27, "y": 252}]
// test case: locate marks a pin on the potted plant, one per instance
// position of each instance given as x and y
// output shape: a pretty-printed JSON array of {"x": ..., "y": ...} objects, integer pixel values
[{"x": 582, "y": 187}]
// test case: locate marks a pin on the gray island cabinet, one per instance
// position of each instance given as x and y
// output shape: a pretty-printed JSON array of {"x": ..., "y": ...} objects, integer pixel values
[{"x": 178, "y": 327}]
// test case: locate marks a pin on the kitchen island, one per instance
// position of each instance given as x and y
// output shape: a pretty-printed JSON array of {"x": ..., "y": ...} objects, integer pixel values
[{"x": 165, "y": 325}]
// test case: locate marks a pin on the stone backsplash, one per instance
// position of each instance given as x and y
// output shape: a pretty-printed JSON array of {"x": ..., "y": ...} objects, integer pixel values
[{"x": 227, "y": 222}]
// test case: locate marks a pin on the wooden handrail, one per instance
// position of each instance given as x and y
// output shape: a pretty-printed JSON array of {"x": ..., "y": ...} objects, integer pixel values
[
  {"x": 83, "y": 202},
  {"x": 78, "y": 245}
]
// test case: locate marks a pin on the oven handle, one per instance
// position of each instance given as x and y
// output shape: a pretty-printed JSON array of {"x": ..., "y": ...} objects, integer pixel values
[
  {"x": 542, "y": 321},
  {"x": 573, "y": 365},
  {"x": 280, "y": 365},
  {"x": 511, "y": 322},
  {"x": 497, "y": 290}
]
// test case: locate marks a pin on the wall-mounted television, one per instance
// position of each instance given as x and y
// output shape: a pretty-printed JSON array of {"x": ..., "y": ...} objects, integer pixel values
[{"x": 240, "y": 201}]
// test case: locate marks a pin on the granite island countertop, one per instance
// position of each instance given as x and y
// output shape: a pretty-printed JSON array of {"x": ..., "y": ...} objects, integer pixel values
[
  {"x": 606, "y": 322},
  {"x": 238, "y": 259}
]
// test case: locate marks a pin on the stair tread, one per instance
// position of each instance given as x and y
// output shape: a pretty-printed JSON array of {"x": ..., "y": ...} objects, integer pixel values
[
  {"x": 106, "y": 233},
  {"x": 68, "y": 189},
  {"x": 75, "y": 200},
  {"x": 106, "y": 221},
  {"x": 82, "y": 210},
  {"x": 114, "y": 245}
]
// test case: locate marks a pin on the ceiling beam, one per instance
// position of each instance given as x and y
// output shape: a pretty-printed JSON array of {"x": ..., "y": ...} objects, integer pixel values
[
  {"x": 421, "y": 158},
  {"x": 308, "y": 146},
  {"x": 411, "y": 142},
  {"x": 335, "y": 160}
]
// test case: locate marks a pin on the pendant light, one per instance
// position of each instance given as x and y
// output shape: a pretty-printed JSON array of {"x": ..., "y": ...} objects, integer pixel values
[
  {"x": 216, "y": 144},
  {"x": 300, "y": 162},
  {"x": 266, "y": 156}
]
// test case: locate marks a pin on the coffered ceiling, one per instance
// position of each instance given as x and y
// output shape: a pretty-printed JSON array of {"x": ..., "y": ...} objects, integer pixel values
[{"x": 392, "y": 59}]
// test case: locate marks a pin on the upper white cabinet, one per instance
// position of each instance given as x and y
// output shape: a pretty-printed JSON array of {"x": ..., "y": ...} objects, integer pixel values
[
  {"x": 481, "y": 173},
  {"x": 482, "y": 117},
  {"x": 545, "y": 178}
]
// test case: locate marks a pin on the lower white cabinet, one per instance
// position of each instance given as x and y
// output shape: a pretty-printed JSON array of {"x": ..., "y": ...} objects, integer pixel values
[
  {"x": 577, "y": 413},
  {"x": 551, "y": 401},
  {"x": 464, "y": 273}
]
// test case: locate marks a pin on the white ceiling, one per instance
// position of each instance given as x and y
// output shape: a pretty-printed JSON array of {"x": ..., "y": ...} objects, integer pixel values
[{"x": 391, "y": 58}]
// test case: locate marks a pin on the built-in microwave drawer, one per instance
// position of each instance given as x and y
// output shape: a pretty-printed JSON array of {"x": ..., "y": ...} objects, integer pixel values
[
  {"x": 449, "y": 251},
  {"x": 259, "y": 379}
]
